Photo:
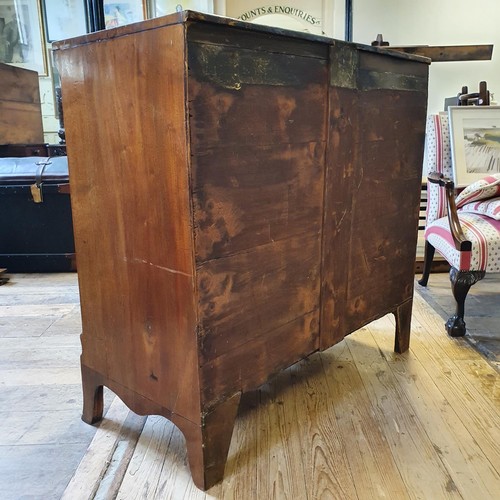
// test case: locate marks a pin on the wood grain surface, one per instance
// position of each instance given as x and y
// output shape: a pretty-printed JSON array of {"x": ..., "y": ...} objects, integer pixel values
[
  {"x": 20, "y": 108},
  {"x": 132, "y": 215},
  {"x": 230, "y": 216},
  {"x": 348, "y": 423}
]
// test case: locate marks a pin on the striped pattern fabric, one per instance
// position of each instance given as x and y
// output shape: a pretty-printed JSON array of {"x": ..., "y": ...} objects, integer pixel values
[
  {"x": 437, "y": 159},
  {"x": 490, "y": 208},
  {"x": 481, "y": 230},
  {"x": 483, "y": 189}
]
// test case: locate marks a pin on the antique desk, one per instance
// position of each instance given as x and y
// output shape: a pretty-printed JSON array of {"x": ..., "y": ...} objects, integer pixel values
[{"x": 242, "y": 197}]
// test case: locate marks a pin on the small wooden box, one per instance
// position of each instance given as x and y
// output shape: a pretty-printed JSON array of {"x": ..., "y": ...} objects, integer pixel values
[{"x": 242, "y": 197}]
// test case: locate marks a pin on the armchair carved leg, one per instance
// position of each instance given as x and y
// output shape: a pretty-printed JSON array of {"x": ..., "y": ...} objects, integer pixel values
[
  {"x": 461, "y": 281},
  {"x": 428, "y": 257}
]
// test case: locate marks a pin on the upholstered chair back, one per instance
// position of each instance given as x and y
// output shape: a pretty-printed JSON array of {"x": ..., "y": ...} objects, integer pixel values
[{"x": 437, "y": 159}]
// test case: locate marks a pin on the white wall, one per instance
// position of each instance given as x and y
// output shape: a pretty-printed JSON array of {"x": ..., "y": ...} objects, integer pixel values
[
  {"x": 402, "y": 22},
  {"x": 437, "y": 22},
  {"x": 315, "y": 15},
  {"x": 49, "y": 120},
  {"x": 331, "y": 12}
]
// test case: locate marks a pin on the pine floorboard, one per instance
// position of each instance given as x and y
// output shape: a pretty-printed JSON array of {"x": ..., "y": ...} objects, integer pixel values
[{"x": 356, "y": 421}]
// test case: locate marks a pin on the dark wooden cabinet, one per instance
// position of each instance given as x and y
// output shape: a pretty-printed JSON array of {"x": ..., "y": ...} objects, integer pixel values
[
  {"x": 242, "y": 197},
  {"x": 24, "y": 150}
]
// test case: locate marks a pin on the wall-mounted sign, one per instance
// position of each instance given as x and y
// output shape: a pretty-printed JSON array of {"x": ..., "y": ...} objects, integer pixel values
[
  {"x": 299, "y": 15},
  {"x": 286, "y": 10}
]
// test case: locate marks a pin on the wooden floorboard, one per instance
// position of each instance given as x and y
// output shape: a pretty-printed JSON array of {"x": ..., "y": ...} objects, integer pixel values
[
  {"x": 469, "y": 467},
  {"x": 357, "y": 421},
  {"x": 413, "y": 451},
  {"x": 482, "y": 310}
]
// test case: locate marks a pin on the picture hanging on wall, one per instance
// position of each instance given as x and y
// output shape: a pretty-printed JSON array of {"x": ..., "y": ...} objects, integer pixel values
[
  {"x": 164, "y": 7},
  {"x": 64, "y": 19},
  {"x": 21, "y": 36},
  {"x": 475, "y": 142},
  {"x": 121, "y": 13}
]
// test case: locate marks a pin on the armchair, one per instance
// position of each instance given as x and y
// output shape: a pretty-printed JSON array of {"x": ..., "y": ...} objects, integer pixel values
[{"x": 465, "y": 229}]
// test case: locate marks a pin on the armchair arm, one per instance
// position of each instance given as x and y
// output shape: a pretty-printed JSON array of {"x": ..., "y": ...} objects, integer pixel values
[{"x": 461, "y": 242}]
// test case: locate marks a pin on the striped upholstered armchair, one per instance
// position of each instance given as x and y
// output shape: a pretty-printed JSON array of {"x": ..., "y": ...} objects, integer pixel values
[{"x": 464, "y": 229}]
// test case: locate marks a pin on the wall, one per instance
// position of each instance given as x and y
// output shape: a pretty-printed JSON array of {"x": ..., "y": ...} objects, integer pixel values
[
  {"x": 307, "y": 16},
  {"x": 164, "y": 7},
  {"x": 402, "y": 22},
  {"x": 431, "y": 22},
  {"x": 330, "y": 12},
  {"x": 50, "y": 122}
]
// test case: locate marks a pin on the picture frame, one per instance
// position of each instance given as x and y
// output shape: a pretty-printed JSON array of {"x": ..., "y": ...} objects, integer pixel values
[
  {"x": 165, "y": 7},
  {"x": 475, "y": 142},
  {"x": 122, "y": 12},
  {"x": 22, "y": 41},
  {"x": 64, "y": 19}
]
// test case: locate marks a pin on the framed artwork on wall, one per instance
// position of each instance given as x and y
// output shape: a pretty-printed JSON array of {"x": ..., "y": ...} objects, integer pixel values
[
  {"x": 22, "y": 41},
  {"x": 475, "y": 142},
  {"x": 119, "y": 13},
  {"x": 164, "y": 7},
  {"x": 64, "y": 19}
]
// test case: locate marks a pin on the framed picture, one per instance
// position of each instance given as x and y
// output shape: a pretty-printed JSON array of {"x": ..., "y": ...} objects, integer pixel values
[
  {"x": 21, "y": 37},
  {"x": 118, "y": 13},
  {"x": 64, "y": 19},
  {"x": 164, "y": 7},
  {"x": 475, "y": 142}
]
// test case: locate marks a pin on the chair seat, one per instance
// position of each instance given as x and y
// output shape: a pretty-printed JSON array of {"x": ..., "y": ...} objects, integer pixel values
[{"x": 482, "y": 231}]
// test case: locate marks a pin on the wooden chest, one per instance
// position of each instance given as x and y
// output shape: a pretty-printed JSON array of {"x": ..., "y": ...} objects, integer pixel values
[
  {"x": 242, "y": 197},
  {"x": 35, "y": 236}
]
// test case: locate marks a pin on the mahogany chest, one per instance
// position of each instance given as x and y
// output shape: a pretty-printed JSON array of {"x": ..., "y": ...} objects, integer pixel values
[{"x": 242, "y": 197}]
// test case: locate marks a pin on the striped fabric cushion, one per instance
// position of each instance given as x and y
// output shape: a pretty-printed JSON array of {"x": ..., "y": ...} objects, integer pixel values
[
  {"x": 490, "y": 208},
  {"x": 485, "y": 188},
  {"x": 437, "y": 159},
  {"x": 482, "y": 231}
]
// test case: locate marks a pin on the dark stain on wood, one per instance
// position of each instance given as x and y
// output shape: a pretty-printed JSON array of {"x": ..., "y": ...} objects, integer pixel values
[
  {"x": 232, "y": 68},
  {"x": 271, "y": 115},
  {"x": 255, "y": 195},
  {"x": 253, "y": 40},
  {"x": 365, "y": 70},
  {"x": 252, "y": 293},
  {"x": 368, "y": 80},
  {"x": 343, "y": 65},
  {"x": 342, "y": 160},
  {"x": 293, "y": 340},
  {"x": 370, "y": 61}
]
